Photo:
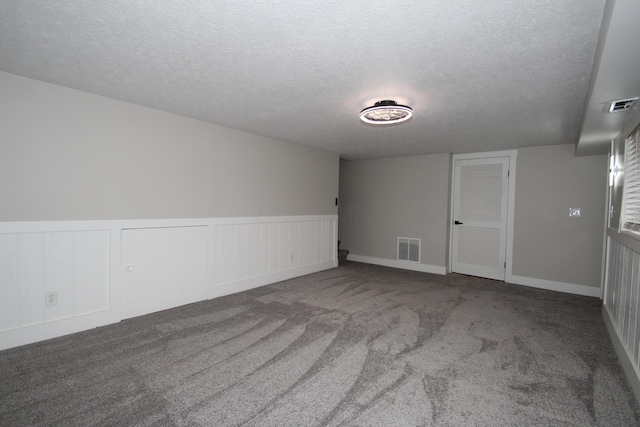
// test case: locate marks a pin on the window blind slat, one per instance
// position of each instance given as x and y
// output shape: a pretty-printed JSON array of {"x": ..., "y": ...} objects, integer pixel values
[{"x": 631, "y": 203}]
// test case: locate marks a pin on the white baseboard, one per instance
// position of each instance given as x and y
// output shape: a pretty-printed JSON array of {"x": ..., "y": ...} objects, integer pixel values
[
  {"x": 256, "y": 282},
  {"x": 623, "y": 354},
  {"x": 405, "y": 265},
  {"x": 569, "y": 288},
  {"x": 44, "y": 331}
]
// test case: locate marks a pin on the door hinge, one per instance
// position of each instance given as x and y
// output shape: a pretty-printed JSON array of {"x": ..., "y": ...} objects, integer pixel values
[
  {"x": 508, "y": 173},
  {"x": 505, "y": 264}
]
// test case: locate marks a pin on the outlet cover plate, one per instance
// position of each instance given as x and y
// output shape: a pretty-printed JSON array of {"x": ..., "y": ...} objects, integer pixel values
[{"x": 51, "y": 298}]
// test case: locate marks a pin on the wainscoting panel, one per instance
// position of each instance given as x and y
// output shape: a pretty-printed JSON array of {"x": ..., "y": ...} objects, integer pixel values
[
  {"x": 311, "y": 244},
  {"x": 104, "y": 271},
  {"x": 622, "y": 304},
  {"x": 71, "y": 264},
  {"x": 9, "y": 282},
  {"x": 245, "y": 249},
  {"x": 60, "y": 267},
  {"x": 31, "y": 274},
  {"x": 163, "y": 268},
  {"x": 91, "y": 271}
]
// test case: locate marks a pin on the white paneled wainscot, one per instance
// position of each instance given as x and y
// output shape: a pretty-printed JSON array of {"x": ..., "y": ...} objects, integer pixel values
[
  {"x": 70, "y": 267},
  {"x": 621, "y": 306},
  {"x": 163, "y": 267},
  {"x": 243, "y": 254},
  {"x": 63, "y": 277}
]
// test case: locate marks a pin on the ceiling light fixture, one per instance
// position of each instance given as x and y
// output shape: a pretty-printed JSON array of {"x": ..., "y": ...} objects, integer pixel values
[{"x": 386, "y": 113}]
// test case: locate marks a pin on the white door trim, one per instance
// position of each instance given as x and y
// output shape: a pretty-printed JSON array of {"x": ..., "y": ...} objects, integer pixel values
[{"x": 512, "y": 154}]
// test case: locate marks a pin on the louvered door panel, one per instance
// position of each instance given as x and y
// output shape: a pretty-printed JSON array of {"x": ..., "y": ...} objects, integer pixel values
[
  {"x": 480, "y": 193},
  {"x": 480, "y": 214},
  {"x": 481, "y": 246}
]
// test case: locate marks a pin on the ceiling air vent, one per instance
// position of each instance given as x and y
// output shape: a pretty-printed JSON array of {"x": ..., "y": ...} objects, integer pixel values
[
  {"x": 621, "y": 105},
  {"x": 408, "y": 249}
]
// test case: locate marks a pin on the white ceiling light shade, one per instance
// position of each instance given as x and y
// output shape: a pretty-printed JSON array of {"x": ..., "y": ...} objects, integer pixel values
[{"x": 386, "y": 113}]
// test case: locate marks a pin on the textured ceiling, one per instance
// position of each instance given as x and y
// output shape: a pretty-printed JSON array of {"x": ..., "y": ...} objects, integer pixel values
[{"x": 480, "y": 75}]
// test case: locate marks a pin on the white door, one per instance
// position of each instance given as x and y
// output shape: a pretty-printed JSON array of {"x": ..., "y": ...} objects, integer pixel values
[{"x": 479, "y": 233}]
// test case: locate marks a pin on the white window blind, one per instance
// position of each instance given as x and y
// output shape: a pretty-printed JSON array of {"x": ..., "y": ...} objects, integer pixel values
[{"x": 631, "y": 204}]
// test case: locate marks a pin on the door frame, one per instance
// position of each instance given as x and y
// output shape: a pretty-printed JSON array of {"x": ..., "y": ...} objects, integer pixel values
[{"x": 511, "y": 195}]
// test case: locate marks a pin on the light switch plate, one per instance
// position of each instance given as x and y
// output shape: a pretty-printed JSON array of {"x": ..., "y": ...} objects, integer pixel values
[{"x": 575, "y": 212}]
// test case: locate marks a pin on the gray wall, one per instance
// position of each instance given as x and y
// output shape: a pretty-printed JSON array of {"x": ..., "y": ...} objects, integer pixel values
[
  {"x": 383, "y": 199},
  {"x": 547, "y": 243},
  {"x": 409, "y": 197},
  {"x": 71, "y": 155}
]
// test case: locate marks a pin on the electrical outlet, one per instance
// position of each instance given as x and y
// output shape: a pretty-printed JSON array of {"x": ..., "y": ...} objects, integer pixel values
[{"x": 50, "y": 298}]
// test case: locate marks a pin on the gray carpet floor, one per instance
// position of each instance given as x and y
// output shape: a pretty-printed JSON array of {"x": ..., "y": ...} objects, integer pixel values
[{"x": 358, "y": 345}]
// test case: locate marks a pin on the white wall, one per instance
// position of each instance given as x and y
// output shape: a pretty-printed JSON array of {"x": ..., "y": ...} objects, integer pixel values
[
  {"x": 91, "y": 186},
  {"x": 70, "y": 155}
]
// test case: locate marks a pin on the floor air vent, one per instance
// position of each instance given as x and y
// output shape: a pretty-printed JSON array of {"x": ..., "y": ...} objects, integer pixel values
[
  {"x": 408, "y": 249},
  {"x": 622, "y": 105}
]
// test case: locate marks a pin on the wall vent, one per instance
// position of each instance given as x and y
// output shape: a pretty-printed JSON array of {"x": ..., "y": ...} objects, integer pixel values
[
  {"x": 408, "y": 249},
  {"x": 622, "y": 105}
]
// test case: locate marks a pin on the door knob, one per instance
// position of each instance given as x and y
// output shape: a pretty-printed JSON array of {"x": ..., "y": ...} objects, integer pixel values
[{"x": 457, "y": 222}]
